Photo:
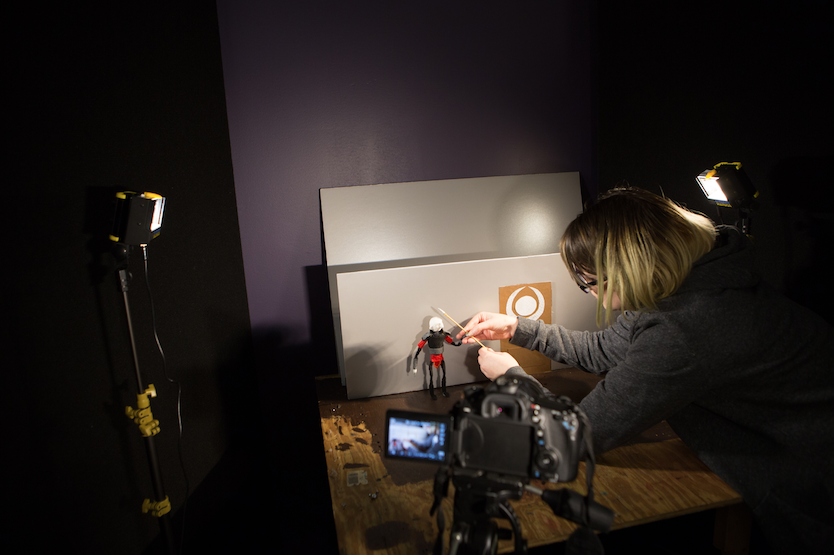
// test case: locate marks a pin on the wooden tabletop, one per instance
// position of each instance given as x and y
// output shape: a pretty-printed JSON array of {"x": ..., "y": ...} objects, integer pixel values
[{"x": 383, "y": 504}]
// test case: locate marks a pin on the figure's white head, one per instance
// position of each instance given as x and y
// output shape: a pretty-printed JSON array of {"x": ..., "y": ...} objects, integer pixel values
[{"x": 435, "y": 324}]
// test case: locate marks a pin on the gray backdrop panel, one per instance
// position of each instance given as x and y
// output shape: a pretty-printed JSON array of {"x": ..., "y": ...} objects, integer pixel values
[
  {"x": 429, "y": 222},
  {"x": 386, "y": 312}
]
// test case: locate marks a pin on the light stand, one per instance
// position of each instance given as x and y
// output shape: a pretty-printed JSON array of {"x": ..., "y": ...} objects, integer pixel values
[{"x": 138, "y": 220}]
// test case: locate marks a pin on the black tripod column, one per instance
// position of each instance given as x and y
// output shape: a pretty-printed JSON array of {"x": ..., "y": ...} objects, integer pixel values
[{"x": 149, "y": 427}]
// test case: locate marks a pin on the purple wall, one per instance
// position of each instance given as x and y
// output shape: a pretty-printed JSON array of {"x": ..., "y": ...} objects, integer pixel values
[{"x": 338, "y": 93}]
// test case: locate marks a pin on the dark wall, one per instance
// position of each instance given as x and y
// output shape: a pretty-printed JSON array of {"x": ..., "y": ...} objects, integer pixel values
[
  {"x": 726, "y": 82},
  {"x": 336, "y": 94},
  {"x": 108, "y": 100}
]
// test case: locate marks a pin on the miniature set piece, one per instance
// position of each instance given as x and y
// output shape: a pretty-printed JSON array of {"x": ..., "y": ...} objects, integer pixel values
[{"x": 436, "y": 338}]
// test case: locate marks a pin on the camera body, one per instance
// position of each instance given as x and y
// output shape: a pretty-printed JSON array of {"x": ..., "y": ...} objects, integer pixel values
[{"x": 512, "y": 427}]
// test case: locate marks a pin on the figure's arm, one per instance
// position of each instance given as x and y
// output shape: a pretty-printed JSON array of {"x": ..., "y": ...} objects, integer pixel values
[
  {"x": 419, "y": 348},
  {"x": 453, "y": 342}
]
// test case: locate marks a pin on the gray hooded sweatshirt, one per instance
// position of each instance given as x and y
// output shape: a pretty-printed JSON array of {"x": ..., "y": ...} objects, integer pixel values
[{"x": 743, "y": 375}]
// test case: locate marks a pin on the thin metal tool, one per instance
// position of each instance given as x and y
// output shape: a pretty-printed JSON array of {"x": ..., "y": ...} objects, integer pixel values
[{"x": 458, "y": 325}]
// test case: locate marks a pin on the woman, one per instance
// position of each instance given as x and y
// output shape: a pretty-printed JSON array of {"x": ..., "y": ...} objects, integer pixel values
[{"x": 744, "y": 376}]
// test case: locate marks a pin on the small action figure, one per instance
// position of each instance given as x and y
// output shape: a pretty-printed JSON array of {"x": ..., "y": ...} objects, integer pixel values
[{"x": 436, "y": 338}]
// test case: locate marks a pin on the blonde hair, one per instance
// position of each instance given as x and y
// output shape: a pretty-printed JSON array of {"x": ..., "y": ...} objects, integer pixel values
[{"x": 641, "y": 245}]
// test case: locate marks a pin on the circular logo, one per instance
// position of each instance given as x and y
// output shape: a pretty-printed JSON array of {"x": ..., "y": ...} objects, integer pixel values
[{"x": 527, "y": 302}]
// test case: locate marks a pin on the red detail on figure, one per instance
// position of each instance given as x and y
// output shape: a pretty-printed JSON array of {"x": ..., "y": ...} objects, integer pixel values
[
  {"x": 448, "y": 338},
  {"x": 436, "y": 360}
]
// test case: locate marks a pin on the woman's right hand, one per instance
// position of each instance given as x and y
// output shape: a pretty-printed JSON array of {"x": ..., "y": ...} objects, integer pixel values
[{"x": 487, "y": 326}]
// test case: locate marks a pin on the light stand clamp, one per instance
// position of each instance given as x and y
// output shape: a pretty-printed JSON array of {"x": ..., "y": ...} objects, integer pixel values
[
  {"x": 156, "y": 508},
  {"x": 142, "y": 415}
]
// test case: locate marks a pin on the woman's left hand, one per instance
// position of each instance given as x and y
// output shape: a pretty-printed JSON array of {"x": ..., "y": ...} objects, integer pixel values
[{"x": 493, "y": 363}]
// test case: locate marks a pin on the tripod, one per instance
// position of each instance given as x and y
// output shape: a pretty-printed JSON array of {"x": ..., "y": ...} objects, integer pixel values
[
  {"x": 479, "y": 498},
  {"x": 477, "y": 501}
]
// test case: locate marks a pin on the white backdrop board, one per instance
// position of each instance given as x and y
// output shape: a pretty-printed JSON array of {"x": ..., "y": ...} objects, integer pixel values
[
  {"x": 386, "y": 312},
  {"x": 400, "y": 225}
]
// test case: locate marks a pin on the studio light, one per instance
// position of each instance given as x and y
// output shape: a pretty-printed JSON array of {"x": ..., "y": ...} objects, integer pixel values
[
  {"x": 138, "y": 218},
  {"x": 727, "y": 184}
]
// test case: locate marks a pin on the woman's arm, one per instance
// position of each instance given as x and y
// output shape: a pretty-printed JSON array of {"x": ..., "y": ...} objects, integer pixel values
[{"x": 595, "y": 352}]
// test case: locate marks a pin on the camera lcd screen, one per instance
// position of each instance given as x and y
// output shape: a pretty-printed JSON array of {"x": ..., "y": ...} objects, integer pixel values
[
  {"x": 416, "y": 436},
  {"x": 496, "y": 445}
]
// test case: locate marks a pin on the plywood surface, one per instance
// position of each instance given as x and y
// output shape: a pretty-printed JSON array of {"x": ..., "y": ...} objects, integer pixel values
[{"x": 382, "y": 505}]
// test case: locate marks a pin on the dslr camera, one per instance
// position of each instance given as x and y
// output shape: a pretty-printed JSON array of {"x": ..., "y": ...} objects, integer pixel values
[
  {"x": 510, "y": 428},
  {"x": 490, "y": 445}
]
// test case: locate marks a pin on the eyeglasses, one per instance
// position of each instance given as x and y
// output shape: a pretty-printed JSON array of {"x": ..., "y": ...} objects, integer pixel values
[{"x": 585, "y": 286}]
